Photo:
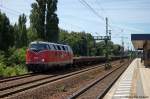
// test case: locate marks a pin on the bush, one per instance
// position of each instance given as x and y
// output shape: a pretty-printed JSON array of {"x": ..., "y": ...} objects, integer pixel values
[
  {"x": 2, "y": 57},
  {"x": 6, "y": 71},
  {"x": 8, "y": 66},
  {"x": 20, "y": 69},
  {"x": 17, "y": 57},
  {"x": 9, "y": 71},
  {"x": 2, "y": 68}
]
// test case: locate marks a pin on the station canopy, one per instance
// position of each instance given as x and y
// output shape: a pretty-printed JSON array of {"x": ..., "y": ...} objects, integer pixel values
[{"x": 138, "y": 40}]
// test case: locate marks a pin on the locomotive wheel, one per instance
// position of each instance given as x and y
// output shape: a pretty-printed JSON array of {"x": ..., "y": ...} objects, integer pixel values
[
  {"x": 30, "y": 68},
  {"x": 34, "y": 68}
]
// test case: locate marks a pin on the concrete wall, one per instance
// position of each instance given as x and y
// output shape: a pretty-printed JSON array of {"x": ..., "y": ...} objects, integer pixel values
[{"x": 147, "y": 54}]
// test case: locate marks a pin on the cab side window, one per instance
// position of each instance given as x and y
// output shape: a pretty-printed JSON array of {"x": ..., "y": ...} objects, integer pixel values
[
  {"x": 58, "y": 47},
  {"x": 47, "y": 47},
  {"x": 63, "y": 47},
  {"x": 51, "y": 47},
  {"x": 55, "y": 47},
  {"x": 66, "y": 48}
]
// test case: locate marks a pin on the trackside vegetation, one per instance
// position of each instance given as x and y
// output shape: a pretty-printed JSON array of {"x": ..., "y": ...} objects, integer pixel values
[{"x": 14, "y": 64}]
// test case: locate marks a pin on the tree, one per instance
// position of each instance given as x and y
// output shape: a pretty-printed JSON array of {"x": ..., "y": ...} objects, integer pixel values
[
  {"x": 44, "y": 19},
  {"x": 6, "y": 33},
  {"x": 117, "y": 49},
  {"x": 21, "y": 32},
  {"x": 52, "y": 30},
  {"x": 37, "y": 18},
  {"x": 100, "y": 48},
  {"x": 32, "y": 34},
  {"x": 82, "y": 43}
]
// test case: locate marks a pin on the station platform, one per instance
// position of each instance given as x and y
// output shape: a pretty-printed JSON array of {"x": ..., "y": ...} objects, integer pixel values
[{"x": 134, "y": 83}]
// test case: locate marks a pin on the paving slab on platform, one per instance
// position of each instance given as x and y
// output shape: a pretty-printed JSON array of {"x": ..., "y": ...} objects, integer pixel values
[{"x": 122, "y": 88}]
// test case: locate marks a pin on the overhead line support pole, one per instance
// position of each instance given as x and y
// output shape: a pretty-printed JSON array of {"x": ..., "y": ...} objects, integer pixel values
[
  {"x": 107, "y": 64},
  {"x": 106, "y": 39}
]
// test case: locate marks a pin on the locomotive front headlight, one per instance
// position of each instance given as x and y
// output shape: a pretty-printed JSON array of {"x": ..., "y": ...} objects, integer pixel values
[{"x": 43, "y": 60}]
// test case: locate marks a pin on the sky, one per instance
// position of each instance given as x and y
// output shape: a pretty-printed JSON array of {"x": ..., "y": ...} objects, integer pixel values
[{"x": 125, "y": 17}]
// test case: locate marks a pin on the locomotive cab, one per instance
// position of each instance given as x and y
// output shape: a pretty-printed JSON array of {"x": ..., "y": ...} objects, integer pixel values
[{"x": 36, "y": 53}]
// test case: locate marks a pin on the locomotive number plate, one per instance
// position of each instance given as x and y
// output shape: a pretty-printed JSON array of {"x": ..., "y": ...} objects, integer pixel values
[{"x": 36, "y": 58}]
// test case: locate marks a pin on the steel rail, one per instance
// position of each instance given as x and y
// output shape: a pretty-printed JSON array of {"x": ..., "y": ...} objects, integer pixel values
[{"x": 17, "y": 77}]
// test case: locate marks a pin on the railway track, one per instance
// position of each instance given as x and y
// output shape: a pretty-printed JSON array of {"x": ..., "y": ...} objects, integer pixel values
[
  {"x": 19, "y": 87},
  {"x": 17, "y": 77},
  {"x": 99, "y": 87}
]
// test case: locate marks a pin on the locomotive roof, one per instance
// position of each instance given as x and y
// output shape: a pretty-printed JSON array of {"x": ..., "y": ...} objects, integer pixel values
[{"x": 42, "y": 42}]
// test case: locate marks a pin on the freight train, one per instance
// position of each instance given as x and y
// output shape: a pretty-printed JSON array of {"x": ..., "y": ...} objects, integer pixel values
[{"x": 42, "y": 55}]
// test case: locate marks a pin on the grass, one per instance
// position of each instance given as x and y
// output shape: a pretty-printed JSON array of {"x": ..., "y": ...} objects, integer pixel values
[{"x": 61, "y": 88}]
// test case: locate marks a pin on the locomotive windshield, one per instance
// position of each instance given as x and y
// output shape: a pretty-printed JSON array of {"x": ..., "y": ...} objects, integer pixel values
[{"x": 38, "y": 47}]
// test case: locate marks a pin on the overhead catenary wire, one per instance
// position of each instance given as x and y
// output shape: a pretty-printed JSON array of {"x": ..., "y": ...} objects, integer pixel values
[
  {"x": 73, "y": 25},
  {"x": 8, "y": 11},
  {"x": 88, "y": 6},
  {"x": 112, "y": 26},
  {"x": 101, "y": 8},
  {"x": 11, "y": 11},
  {"x": 83, "y": 2},
  {"x": 2, "y": 6}
]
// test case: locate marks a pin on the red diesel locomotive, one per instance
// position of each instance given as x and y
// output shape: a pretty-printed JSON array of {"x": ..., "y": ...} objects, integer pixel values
[{"x": 48, "y": 54}]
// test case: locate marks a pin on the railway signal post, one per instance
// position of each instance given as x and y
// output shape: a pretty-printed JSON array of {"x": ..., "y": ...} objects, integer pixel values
[
  {"x": 122, "y": 50},
  {"x": 106, "y": 39}
]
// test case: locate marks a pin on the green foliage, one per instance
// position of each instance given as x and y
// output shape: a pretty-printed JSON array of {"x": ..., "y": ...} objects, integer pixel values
[
  {"x": 6, "y": 71},
  {"x": 8, "y": 65},
  {"x": 20, "y": 69},
  {"x": 40, "y": 15},
  {"x": 21, "y": 32},
  {"x": 2, "y": 68},
  {"x": 61, "y": 88},
  {"x": 100, "y": 48},
  {"x": 116, "y": 50},
  {"x": 6, "y": 33},
  {"x": 11, "y": 69},
  {"x": 81, "y": 43},
  {"x": 37, "y": 17},
  {"x": 2, "y": 57},
  {"x": 18, "y": 56},
  {"x": 52, "y": 30},
  {"x": 32, "y": 34}
]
